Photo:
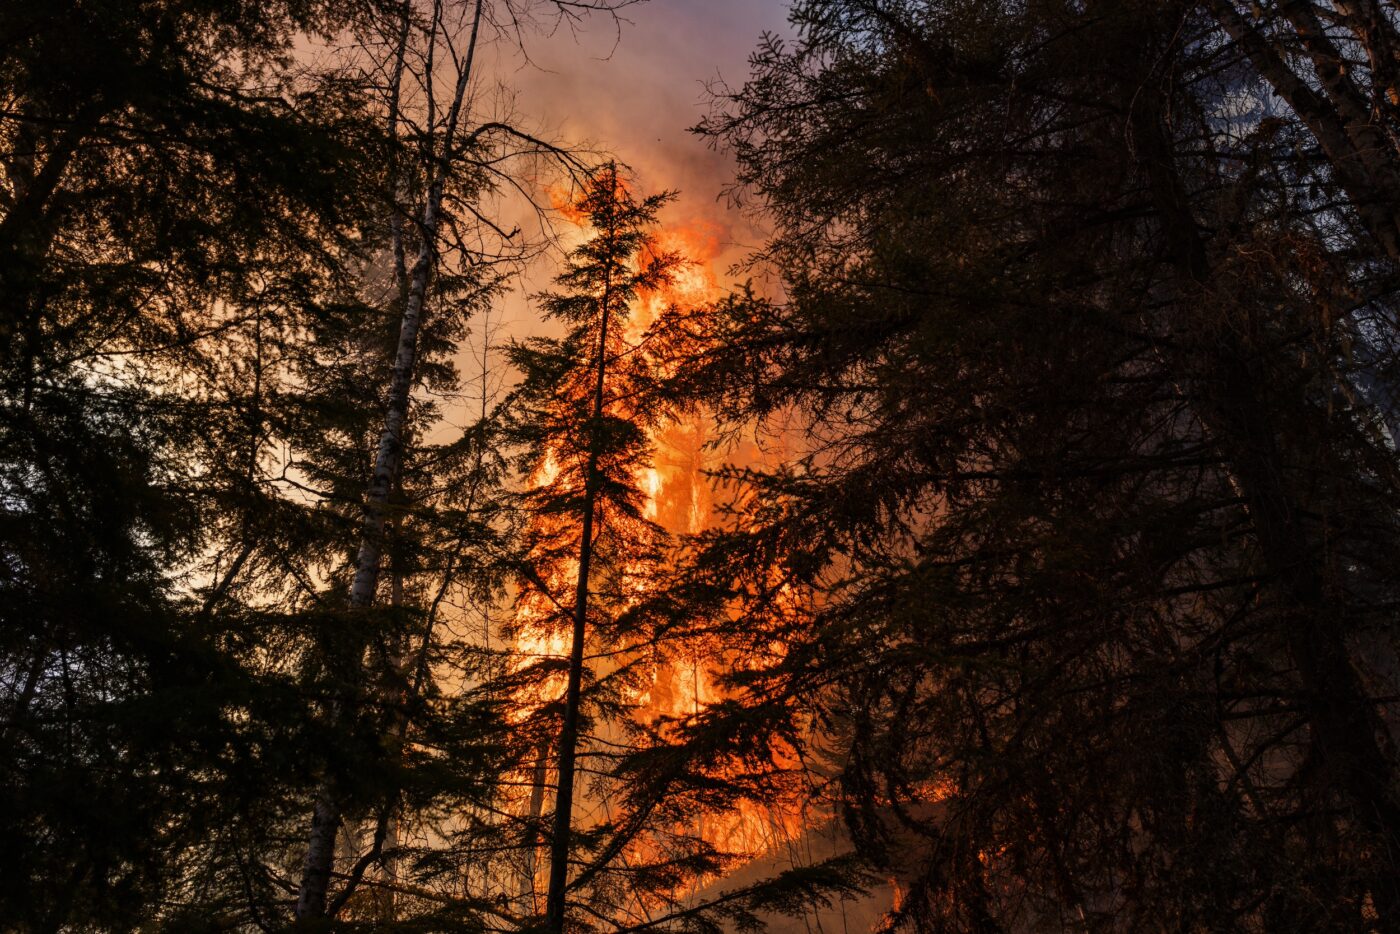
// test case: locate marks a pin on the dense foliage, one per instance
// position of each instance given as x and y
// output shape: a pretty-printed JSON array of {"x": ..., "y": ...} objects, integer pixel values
[
  {"x": 175, "y": 192},
  {"x": 1093, "y": 338},
  {"x": 1063, "y": 597}
]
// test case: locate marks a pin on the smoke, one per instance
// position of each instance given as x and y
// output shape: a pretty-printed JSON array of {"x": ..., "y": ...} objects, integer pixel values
[
  {"x": 630, "y": 91},
  {"x": 634, "y": 91}
]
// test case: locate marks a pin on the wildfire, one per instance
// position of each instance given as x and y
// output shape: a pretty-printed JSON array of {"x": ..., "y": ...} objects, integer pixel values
[
  {"x": 535, "y": 638},
  {"x": 680, "y": 500}
]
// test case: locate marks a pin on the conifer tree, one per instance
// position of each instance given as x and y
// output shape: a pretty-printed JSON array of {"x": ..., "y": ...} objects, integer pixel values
[
  {"x": 176, "y": 192},
  {"x": 591, "y": 546},
  {"x": 438, "y": 157},
  {"x": 446, "y": 258},
  {"x": 421, "y": 531},
  {"x": 194, "y": 228},
  {"x": 1098, "y": 521}
]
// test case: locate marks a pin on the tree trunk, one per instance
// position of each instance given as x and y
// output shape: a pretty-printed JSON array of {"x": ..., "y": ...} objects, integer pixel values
[
  {"x": 1357, "y": 150},
  {"x": 311, "y": 900},
  {"x": 533, "y": 838},
  {"x": 1344, "y": 723},
  {"x": 568, "y": 734},
  {"x": 1343, "y": 720},
  {"x": 326, "y": 818}
]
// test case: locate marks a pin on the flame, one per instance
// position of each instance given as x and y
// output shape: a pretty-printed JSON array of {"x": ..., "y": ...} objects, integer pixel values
[
  {"x": 679, "y": 498},
  {"x": 563, "y": 199},
  {"x": 679, "y": 494},
  {"x": 535, "y": 639},
  {"x": 695, "y": 282}
]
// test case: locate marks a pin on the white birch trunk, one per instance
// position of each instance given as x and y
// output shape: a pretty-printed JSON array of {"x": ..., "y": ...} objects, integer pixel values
[
  {"x": 326, "y": 816},
  {"x": 325, "y": 822}
]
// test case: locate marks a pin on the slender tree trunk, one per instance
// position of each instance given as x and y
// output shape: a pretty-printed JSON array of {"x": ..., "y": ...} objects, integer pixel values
[
  {"x": 311, "y": 900},
  {"x": 1356, "y": 149},
  {"x": 533, "y": 840},
  {"x": 326, "y": 816},
  {"x": 568, "y": 734},
  {"x": 1344, "y": 723}
]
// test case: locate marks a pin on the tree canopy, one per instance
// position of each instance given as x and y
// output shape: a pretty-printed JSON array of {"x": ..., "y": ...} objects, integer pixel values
[{"x": 1050, "y": 582}]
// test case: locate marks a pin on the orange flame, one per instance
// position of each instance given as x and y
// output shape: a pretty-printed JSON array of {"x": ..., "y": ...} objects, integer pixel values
[
  {"x": 679, "y": 499},
  {"x": 564, "y": 200}
]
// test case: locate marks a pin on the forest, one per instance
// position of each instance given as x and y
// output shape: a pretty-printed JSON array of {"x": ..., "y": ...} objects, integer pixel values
[{"x": 1008, "y": 541}]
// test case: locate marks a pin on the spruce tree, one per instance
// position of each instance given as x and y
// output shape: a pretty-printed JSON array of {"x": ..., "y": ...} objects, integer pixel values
[
  {"x": 208, "y": 248},
  {"x": 176, "y": 193},
  {"x": 591, "y": 546},
  {"x": 1097, "y": 522}
]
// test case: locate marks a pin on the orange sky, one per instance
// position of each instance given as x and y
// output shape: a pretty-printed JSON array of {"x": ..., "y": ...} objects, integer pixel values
[
  {"x": 632, "y": 95},
  {"x": 635, "y": 94}
]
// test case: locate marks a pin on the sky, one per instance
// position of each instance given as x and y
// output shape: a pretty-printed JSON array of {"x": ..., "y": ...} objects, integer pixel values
[
  {"x": 636, "y": 92},
  {"x": 633, "y": 92}
]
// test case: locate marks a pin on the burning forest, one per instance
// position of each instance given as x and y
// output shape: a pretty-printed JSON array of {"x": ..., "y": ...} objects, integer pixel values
[{"x": 937, "y": 484}]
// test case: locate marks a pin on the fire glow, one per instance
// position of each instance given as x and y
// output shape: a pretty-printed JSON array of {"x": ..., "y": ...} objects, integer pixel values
[{"x": 678, "y": 498}]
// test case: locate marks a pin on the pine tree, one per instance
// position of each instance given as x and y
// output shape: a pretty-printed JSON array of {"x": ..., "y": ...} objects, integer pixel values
[
  {"x": 591, "y": 546},
  {"x": 446, "y": 260},
  {"x": 171, "y": 180},
  {"x": 207, "y": 249},
  {"x": 1099, "y": 506}
]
